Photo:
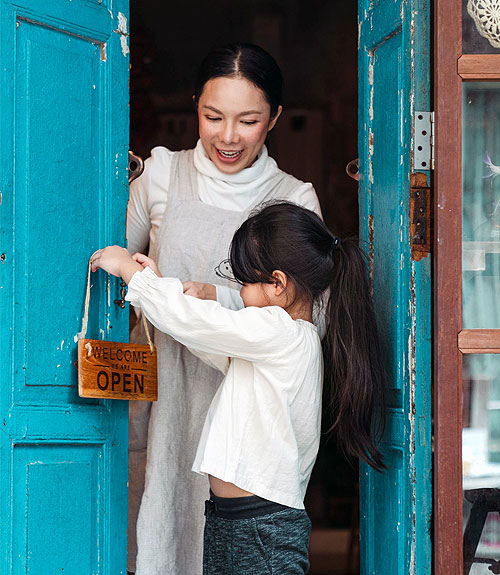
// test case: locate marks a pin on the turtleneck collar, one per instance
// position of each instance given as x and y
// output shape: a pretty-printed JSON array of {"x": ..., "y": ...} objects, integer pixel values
[{"x": 238, "y": 191}]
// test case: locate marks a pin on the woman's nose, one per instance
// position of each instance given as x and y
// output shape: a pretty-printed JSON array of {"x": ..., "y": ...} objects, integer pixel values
[{"x": 229, "y": 133}]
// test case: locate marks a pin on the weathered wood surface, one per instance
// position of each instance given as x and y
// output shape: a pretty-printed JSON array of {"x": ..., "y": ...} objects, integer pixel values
[{"x": 114, "y": 370}]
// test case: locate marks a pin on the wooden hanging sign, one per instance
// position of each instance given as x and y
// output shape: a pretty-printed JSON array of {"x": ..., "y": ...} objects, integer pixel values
[{"x": 113, "y": 370}]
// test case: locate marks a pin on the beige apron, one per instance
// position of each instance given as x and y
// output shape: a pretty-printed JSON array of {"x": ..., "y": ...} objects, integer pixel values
[{"x": 193, "y": 239}]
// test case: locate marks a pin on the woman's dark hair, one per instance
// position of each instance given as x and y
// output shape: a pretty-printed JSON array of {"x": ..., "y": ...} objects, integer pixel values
[
  {"x": 284, "y": 236},
  {"x": 246, "y": 61}
]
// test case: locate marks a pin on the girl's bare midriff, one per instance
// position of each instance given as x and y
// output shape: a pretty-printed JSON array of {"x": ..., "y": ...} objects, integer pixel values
[{"x": 224, "y": 489}]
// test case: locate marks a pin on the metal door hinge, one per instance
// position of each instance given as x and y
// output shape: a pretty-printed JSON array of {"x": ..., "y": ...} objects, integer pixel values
[
  {"x": 420, "y": 216},
  {"x": 423, "y": 145}
]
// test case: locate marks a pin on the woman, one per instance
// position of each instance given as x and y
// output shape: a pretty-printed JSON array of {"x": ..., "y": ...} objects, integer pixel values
[{"x": 187, "y": 205}]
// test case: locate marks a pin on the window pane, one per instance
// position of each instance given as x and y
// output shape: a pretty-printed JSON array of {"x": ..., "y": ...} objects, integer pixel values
[
  {"x": 481, "y": 463},
  {"x": 480, "y": 27},
  {"x": 481, "y": 205}
]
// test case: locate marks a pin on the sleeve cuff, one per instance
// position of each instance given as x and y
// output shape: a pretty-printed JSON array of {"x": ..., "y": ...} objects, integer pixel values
[{"x": 142, "y": 282}]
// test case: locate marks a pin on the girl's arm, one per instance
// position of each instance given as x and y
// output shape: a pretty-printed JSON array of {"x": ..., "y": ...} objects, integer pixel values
[{"x": 251, "y": 333}]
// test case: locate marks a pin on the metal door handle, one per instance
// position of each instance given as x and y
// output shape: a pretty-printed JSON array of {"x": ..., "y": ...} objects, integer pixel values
[
  {"x": 135, "y": 166},
  {"x": 352, "y": 169}
]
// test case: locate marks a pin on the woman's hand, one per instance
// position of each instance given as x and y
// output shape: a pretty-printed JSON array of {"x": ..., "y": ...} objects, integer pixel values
[
  {"x": 146, "y": 262},
  {"x": 200, "y": 290},
  {"x": 116, "y": 261}
]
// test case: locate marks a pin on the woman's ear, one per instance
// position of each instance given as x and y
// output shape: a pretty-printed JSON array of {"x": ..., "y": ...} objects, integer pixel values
[
  {"x": 280, "y": 282},
  {"x": 274, "y": 119}
]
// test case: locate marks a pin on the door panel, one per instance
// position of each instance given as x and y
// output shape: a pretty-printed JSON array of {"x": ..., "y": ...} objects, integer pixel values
[
  {"x": 64, "y": 124},
  {"x": 393, "y": 83}
]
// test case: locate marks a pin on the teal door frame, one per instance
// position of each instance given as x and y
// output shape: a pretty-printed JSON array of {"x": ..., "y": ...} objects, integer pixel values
[
  {"x": 63, "y": 185},
  {"x": 394, "y": 83}
]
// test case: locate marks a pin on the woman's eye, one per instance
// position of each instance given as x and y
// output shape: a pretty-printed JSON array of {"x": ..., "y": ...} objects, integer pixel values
[
  {"x": 249, "y": 122},
  {"x": 212, "y": 118}
]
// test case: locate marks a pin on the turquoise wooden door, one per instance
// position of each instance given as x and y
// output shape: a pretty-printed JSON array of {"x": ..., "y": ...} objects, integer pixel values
[
  {"x": 394, "y": 82},
  {"x": 63, "y": 184}
]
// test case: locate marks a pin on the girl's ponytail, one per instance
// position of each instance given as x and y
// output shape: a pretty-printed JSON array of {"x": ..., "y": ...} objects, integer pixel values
[
  {"x": 354, "y": 373},
  {"x": 286, "y": 237}
]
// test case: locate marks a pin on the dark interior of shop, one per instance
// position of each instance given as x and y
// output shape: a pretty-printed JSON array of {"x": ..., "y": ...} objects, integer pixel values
[{"x": 315, "y": 44}]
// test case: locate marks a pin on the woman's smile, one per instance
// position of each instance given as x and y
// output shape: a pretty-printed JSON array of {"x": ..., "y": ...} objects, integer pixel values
[
  {"x": 234, "y": 119},
  {"x": 229, "y": 156}
]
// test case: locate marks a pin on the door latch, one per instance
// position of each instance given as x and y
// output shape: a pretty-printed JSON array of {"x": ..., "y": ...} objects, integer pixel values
[{"x": 123, "y": 293}]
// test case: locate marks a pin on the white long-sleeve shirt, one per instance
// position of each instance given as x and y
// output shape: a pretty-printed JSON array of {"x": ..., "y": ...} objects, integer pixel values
[
  {"x": 237, "y": 192},
  {"x": 262, "y": 430}
]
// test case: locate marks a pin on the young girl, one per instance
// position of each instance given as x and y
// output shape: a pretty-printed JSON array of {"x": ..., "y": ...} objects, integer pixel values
[{"x": 261, "y": 435}]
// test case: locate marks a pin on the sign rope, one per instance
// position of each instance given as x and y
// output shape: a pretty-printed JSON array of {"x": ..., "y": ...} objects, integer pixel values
[{"x": 83, "y": 333}]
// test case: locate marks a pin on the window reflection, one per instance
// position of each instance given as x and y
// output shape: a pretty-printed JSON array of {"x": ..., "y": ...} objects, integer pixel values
[
  {"x": 481, "y": 463},
  {"x": 481, "y": 205}
]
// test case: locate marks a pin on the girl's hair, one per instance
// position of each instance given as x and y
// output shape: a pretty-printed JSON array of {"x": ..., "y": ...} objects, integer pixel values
[
  {"x": 284, "y": 236},
  {"x": 245, "y": 61}
]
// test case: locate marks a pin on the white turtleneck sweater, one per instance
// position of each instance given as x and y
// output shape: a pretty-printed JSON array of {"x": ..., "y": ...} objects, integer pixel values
[{"x": 237, "y": 192}]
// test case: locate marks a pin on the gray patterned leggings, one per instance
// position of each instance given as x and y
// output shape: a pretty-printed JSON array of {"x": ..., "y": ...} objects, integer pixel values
[{"x": 253, "y": 536}]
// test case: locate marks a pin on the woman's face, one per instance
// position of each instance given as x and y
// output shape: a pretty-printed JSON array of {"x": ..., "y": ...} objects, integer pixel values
[{"x": 234, "y": 119}]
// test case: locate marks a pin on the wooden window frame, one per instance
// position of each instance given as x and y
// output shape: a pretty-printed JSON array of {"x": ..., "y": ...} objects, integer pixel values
[{"x": 451, "y": 342}]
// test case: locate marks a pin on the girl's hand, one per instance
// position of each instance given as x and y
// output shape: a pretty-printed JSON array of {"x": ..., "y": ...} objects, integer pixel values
[
  {"x": 146, "y": 262},
  {"x": 200, "y": 290},
  {"x": 116, "y": 261}
]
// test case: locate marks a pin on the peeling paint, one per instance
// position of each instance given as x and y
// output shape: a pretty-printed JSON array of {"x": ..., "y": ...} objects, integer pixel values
[
  {"x": 125, "y": 49},
  {"x": 122, "y": 30},
  {"x": 104, "y": 57},
  {"x": 370, "y": 155},
  {"x": 122, "y": 23},
  {"x": 370, "y": 108}
]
